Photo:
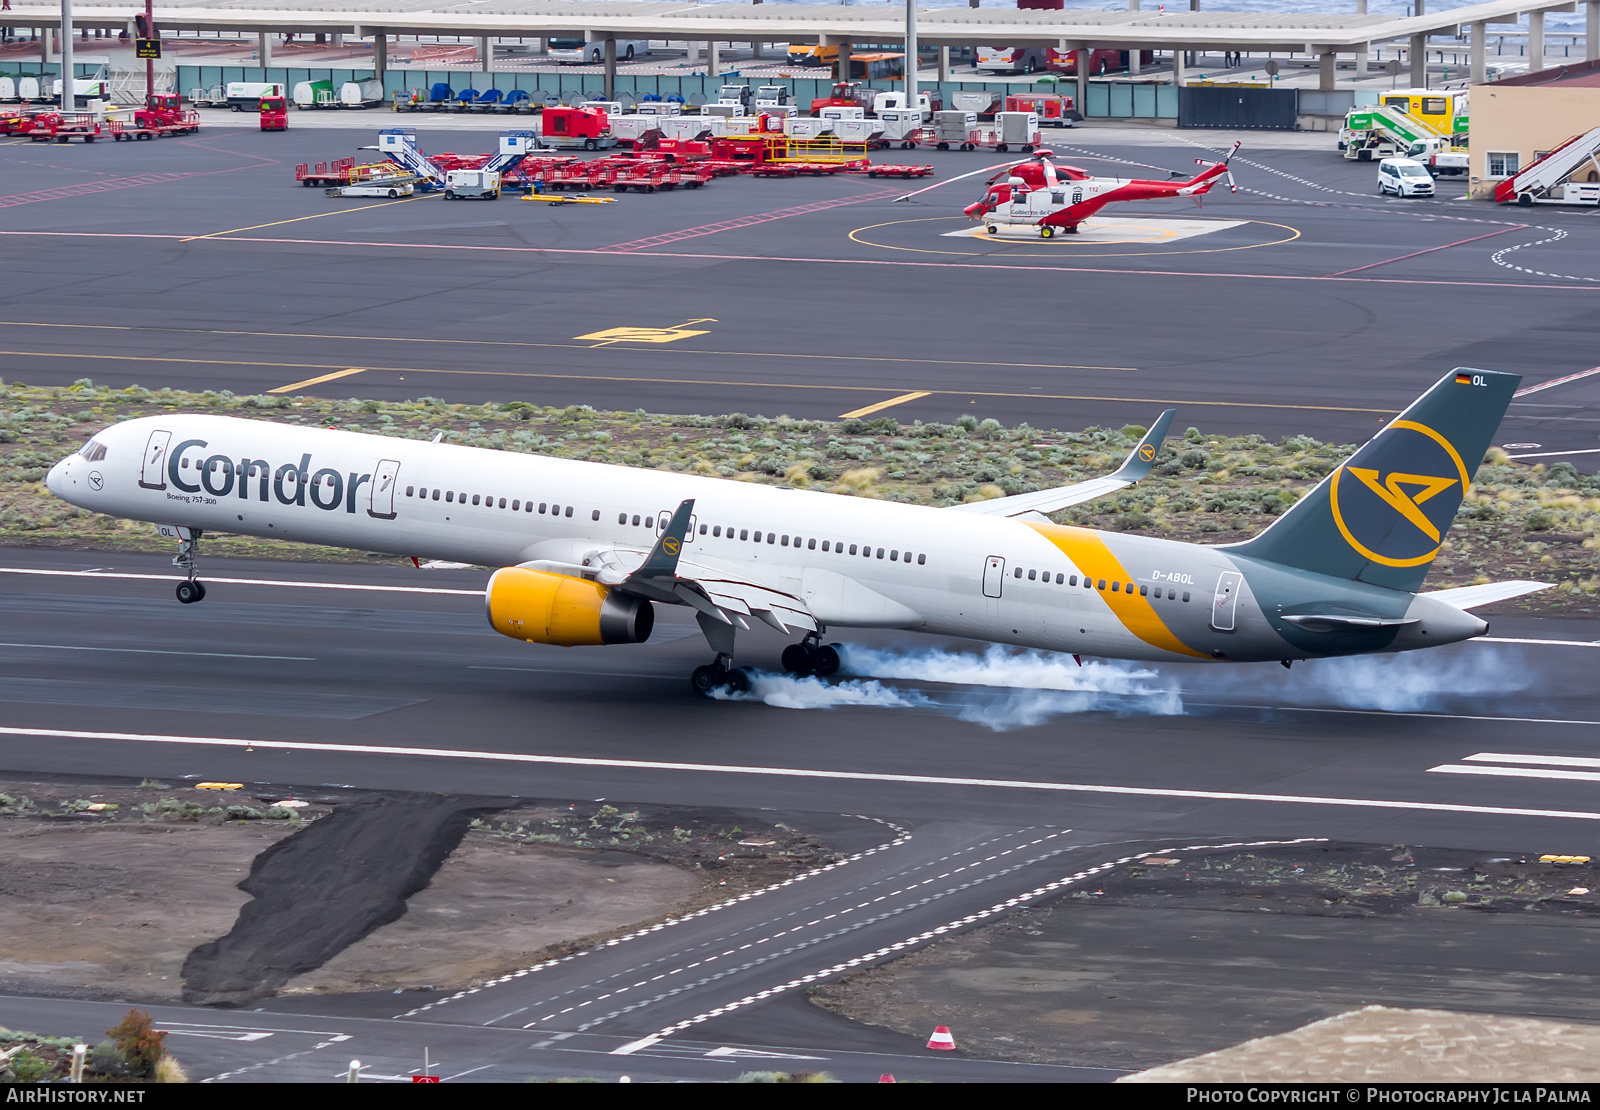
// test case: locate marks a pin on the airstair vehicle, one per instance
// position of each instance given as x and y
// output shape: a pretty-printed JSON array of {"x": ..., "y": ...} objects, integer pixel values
[
  {"x": 1375, "y": 133},
  {"x": 399, "y": 145},
  {"x": 1549, "y": 180}
]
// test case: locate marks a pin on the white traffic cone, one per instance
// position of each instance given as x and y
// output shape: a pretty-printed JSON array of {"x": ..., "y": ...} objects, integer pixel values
[{"x": 941, "y": 1040}]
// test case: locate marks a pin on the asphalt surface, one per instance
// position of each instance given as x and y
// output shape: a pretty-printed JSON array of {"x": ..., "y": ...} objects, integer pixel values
[
  {"x": 955, "y": 803},
  {"x": 198, "y": 263},
  {"x": 1308, "y": 306}
]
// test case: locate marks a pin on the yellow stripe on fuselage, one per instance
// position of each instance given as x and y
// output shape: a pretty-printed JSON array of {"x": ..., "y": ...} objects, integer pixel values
[{"x": 1091, "y": 555}]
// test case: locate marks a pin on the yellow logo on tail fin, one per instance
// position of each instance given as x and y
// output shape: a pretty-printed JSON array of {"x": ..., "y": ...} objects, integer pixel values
[{"x": 1403, "y": 503}]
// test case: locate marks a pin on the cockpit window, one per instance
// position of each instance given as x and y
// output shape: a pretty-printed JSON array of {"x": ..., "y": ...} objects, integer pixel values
[{"x": 94, "y": 450}]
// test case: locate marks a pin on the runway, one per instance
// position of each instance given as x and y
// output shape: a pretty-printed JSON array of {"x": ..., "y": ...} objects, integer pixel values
[
  {"x": 970, "y": 818},
  {"x": 1321, "y": 310}
]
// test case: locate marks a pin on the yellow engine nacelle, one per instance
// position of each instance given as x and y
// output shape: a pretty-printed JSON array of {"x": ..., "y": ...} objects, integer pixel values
[{"x": 568, "y": 612}]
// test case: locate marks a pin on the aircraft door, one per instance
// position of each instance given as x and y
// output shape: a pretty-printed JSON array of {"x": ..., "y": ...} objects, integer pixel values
[
  {"x": 1225, "y": 601},
  {"x": 154, "y": 474},
  {"x": 994, "y": 575},
  {"x": 381, "y": 504},
  {"x": 663, "y": 518}
]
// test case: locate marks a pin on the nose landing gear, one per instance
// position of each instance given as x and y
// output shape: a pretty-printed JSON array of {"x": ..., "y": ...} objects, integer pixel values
[
  {"x": 811, "y": 657},
  {"x": 188, "y": 560}
]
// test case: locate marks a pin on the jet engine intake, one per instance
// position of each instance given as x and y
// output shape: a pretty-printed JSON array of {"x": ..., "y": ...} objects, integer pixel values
[{"x": 568, "y": 612}]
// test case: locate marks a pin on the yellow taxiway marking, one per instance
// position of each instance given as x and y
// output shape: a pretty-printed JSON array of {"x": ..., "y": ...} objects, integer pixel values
[
  {"x": 297, "y": 219},
  {"x": 915, "y": 395},
  {"x": 720, "y": 383},
  {"x": 698, "y": 352},
  {"x": 647, "y": 335},
  {"x": 318, "y": 380}
]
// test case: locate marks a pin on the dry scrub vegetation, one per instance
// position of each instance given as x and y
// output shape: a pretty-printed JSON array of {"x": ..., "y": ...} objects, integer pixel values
[{"x": 1518, "y": 521}]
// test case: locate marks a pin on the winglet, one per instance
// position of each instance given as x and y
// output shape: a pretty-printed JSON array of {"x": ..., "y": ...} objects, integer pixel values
[
  {"x": 662, "y": 562},
  {"x": 1142, "y": 459}
]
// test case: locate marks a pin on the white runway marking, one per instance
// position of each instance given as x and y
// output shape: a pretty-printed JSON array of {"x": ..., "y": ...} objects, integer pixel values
[
  {"x": 157, "y": 651},
  {"x": 1517, "y": 772},
  {"x": 245, "y": 581},
  {"x": 1545, "y": 643},
  {"x": 1547, "y": 760},
  {"x": 810, "y": 773},
  {"x": 1522, "y": 766}
]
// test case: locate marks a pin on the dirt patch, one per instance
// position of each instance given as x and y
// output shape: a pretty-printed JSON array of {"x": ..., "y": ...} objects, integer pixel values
[
  {"x": 1158, "y": 963},
  {"x": 114, "y": 891},
  {"x": 107, "y": 903}
]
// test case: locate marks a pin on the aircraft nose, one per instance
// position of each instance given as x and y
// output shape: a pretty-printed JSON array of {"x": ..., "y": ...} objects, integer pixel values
[{"x": 58, "y": 478}]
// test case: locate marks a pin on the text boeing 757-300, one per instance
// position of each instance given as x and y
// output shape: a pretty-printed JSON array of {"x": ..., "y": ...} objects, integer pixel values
[{"x": 588, "y": 549}]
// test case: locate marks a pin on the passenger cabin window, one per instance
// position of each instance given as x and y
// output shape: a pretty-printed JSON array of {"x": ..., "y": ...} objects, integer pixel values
[
  {"x": 569, "y": 510},
  {"x": 921, "y": 559}
]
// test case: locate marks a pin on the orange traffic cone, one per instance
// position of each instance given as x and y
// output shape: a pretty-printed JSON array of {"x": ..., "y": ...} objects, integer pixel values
[{"x": 941, "y": 1040}]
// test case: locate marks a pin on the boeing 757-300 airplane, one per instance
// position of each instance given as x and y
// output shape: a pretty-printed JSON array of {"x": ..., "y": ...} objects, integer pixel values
[{"x": 587, "y": 550}]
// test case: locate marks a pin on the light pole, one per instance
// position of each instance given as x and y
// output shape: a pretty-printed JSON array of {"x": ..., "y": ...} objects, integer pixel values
[
  {"x": 911, "y": 54},
  {"x": 69, "y": 99}
]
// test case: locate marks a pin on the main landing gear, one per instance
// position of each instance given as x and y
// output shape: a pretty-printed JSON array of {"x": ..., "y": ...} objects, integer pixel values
[
  {"x": 188, "y": 560},
  {"x": 720, "y": 674},
  {"x": 811, "y": 657}
]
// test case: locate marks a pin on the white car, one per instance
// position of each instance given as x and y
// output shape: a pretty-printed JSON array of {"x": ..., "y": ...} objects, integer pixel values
[
  {"x": 1404, "y": 177},
  {"x": 578, "y": 52}
]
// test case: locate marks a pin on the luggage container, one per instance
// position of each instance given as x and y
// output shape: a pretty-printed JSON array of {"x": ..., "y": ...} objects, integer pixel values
[
  {"x": 951, "y": 128},
  {"x": 315, "y": 94},
  {"x": 472, "y": 184},
  {"x": 361, "y": 94},
  {"x": 8, "y": 90}
]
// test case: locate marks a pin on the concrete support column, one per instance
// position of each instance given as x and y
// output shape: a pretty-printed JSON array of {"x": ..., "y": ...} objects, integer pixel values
[
  {"x": 694, "y": 52},
  {"x": 46, "y": 46},
  {"x": 844, "y": 61},
  {"x": 264, "y": 49},
  {"x": 1178, "y": 75},
  {"x": 910, "y": 63},
  {"x": 1480, "y": 49},
  {"x": 1419, "y": 61},
  {"x": 1361, "y": 7},
  {"x": 1081, "y": 103},
  {"x": 1419, "y": 7},
  {"x": 944, "y": 62},
  {"x": 485, "y": 54},
  {"x": 1591, "y": 28},
  {"x": 541, "y": 45},
  {"x": 713, "y": 60},
  {"x": 336, "y": 38},
  {"x": 755, "y": 47},
  {"x": 611, "y": 69},
  {"x": 1325, "y": 70},
  {"x": 1363, "y": 49},
  {"x": 380, "y": 54},
  {"x": 1194, "y": 5},
  {"x": 1535, "y": 41}
]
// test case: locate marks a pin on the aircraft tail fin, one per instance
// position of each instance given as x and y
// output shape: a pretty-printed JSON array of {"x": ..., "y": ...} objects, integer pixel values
[{"x": 1382, "y": 515}]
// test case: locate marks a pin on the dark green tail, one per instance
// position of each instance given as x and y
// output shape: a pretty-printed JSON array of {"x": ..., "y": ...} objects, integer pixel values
[{"x": 1381, "y": 517}]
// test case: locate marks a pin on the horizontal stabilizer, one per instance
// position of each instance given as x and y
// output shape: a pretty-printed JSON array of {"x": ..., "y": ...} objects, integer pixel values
[
  {"x": 1136, "y": 467},
  {"x": 1470, "y": 597}
]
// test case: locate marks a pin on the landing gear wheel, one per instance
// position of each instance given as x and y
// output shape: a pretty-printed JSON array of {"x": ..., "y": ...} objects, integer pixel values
[
  {"x": 191, "y": 592},
  {"x": 719, "y": 675},
  {"x": 825, "y": 660},
  {"x": 1047, "y": 232},
  {"x": 991, "y": 229},
  {"x": 706, "y": 679},
  {"x": 799, "y": 659}
]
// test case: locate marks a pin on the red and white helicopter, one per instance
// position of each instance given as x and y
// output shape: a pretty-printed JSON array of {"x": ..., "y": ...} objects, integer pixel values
[{"x": 1056, "y": 198}]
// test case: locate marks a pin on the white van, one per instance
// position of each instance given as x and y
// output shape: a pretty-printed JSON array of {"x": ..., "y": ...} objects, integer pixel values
[
  {"x": 463, "y": 184},
  {"x": 578, "y": 52},
  {"x": 1009, "y": 59},
  {"x": 1404, "y": 177}
]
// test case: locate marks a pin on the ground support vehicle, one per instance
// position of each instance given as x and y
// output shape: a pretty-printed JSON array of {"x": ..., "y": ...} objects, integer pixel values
[
  {"x": 315, "y": 94},
  {"x": 471, "y": 184},
  {"x": 1549, "y": 180},
  {"x": 846, "y": 94},
  {"x": 392, "y": 189},
  {"x": 1441, "y": 156},
  {"x": 649, "y": 177},
  {"x": 1051, "y": 108},
  {"x": 437, "y": 98},
  {"x": 1404, "y": 177},
  {"x": 799, "y": 168},
  {"x": 774, "y": 99},
  {"x": 533, "y": 170},
  {"x": 245, "y": 96},
  {"x": 951, "y": 128},
  {"x": 361, "y": 94},
  {"x": 1380, "y": 131},
  {"x": 162, "y": 114},
  {"x": 576, "y": 128},
  {"x": 274, "y": 113},
  {"x": 14, "y": 121},
  {"x": 1011, "y": 129},
  {"x": 894, "y": 100},
  {"x": 121, "y": 131},
  {"x": 1009, "y": 59},
  {"x": 567, "y": 198},
  {"x": 61, "y": 127}
]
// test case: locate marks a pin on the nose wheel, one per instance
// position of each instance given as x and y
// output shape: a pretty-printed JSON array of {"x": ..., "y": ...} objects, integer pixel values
[
  {"x": 809, "y": 657},
  {"x": 720, "y": 675},
  {"x": 188, "y": 560}
]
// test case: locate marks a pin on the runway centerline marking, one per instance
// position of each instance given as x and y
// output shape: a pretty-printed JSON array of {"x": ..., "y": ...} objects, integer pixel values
[
  {"x": 335, "y": 376},
  {"x": 868, "y": 410},
  {"x": 803, "y": 773},
  {"x": 1517, "y": 772}
]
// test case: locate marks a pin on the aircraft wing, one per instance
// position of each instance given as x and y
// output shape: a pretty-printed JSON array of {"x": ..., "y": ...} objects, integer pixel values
[
  {"x": 664, "y": 574},
  {"x": 1134, "y": 468}
]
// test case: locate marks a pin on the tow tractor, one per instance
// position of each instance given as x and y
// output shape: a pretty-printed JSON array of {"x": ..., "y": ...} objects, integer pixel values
[
  {"x": 574, "y": 128},
  {"x": 732, "y": 100},
  {"x": 846, "y": 94},
  {"x": 274, "y": 112},
  {"x": 162, "y": 114}
]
